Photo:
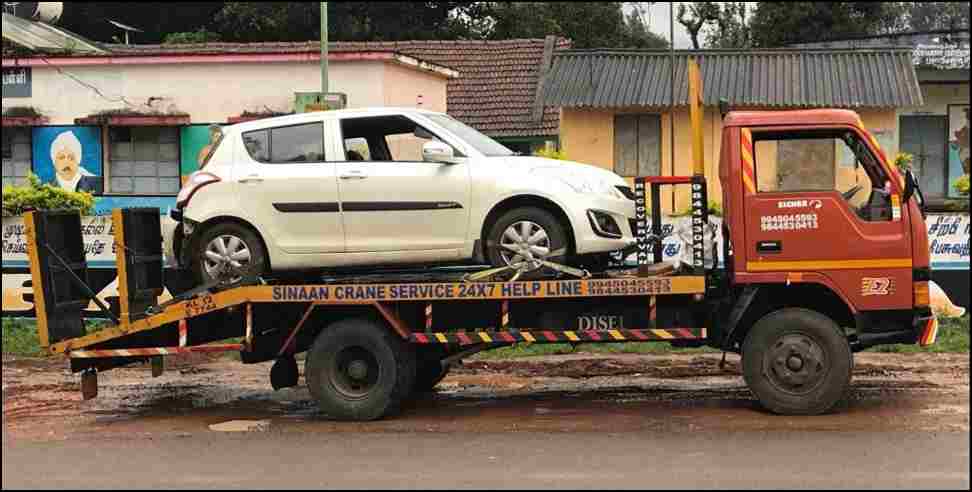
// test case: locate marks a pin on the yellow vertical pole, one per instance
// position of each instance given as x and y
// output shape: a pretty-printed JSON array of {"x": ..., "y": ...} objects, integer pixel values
[{"x": 695, "y": 113}]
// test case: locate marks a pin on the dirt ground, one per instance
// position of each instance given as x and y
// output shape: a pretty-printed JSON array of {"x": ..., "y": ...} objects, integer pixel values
[{"x": 554, "y": 394}]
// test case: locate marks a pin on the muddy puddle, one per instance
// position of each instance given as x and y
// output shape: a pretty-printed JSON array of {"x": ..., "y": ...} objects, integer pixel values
[{"x": 572, "y": 393}]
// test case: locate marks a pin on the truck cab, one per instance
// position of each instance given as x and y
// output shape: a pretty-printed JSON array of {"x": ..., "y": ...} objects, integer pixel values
[{"x": 818, "y": 217}]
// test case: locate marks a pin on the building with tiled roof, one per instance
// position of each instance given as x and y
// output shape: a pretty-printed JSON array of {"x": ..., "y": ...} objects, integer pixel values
[{"x": 495, "y": 88}]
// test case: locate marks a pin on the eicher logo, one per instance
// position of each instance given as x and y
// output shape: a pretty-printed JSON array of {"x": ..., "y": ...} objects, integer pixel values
[{"x": 814, "y": 204}]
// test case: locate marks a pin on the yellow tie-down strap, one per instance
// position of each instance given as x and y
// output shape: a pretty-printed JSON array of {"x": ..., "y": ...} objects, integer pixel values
[{"x": 404, "y": 292}]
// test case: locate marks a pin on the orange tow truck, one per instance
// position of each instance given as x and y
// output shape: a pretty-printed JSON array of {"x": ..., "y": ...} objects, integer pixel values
[{"x": 820, "y": 260}]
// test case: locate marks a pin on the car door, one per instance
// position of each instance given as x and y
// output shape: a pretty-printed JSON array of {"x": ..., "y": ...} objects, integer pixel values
[
  {"x": 289, "y": 187},
  {"x": 804, "y": 215},
  {"x": 392, "y": 200}
]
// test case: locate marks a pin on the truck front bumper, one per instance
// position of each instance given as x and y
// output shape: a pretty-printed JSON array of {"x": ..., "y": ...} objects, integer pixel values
[{"x": 920, "y": 327}]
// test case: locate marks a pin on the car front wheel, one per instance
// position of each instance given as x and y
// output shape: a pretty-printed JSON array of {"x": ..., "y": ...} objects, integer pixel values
[{"x": 523, "y": 236}]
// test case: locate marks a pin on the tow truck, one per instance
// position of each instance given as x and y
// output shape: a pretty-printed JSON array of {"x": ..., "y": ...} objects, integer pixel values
[{"x": 805, "y": 280}]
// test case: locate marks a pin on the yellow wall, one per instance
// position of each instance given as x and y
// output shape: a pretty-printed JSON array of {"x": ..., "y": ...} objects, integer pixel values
[{"x": 588, "y": 136}]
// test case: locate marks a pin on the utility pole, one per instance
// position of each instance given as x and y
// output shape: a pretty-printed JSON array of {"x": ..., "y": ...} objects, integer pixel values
[{"x": 323, "y": 49}]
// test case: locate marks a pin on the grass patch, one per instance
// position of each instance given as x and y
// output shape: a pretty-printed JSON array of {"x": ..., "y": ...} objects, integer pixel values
[
  {"x": 953, "y": 337},
  {"x": 20, "y": 338}
]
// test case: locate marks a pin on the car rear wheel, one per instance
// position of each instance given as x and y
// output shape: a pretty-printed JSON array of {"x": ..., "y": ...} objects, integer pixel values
[
  {"x": 227, "y": 253},
  {"x": 525, "y": 236}
]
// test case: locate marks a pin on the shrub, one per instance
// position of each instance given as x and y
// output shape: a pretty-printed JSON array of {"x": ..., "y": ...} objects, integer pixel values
[
  {"x": 903, "y": 161},
  {"x": 962, "y": 185},
  {"x": 195, "y": 37},
  {"x": 40, "y": 196},
  {"x": 560, "y": 155}
]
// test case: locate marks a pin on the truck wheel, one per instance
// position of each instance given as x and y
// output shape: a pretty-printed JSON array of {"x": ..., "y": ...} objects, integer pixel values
[
  {"x": 430, "y": 371},
  {"x": 797, "y": 362},
  {"x": 359, "y": 370},
  {"x": 523, "y": 234},
  {"x": 226, "y": 252}
]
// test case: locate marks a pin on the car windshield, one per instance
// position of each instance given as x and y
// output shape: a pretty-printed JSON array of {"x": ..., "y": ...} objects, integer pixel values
[{"x": 485, "y": 145}]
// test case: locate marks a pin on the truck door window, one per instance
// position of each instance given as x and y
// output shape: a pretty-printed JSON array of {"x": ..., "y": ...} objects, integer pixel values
[{"x": 823, "y": 160}]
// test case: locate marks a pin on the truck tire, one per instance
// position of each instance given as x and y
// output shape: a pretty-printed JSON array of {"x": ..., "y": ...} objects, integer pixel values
[
  {"x": 429, "y": 371},
  {"x": 358, "y": 370},
  {"x": 797, "y": 362},
  {"x": 232, "y": 242},
  {"x": 549, "y": 233}
]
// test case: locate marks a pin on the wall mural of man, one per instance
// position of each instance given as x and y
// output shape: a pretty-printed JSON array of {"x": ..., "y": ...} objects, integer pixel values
[
  {"x": 66, "y": 152},
  {"x": 69, "y": 157}
]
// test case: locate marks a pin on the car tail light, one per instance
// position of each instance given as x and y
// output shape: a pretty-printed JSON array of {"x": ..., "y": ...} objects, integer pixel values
[
  {"x": 196, "y": 181},
  {"x": 922, "y": 294}
]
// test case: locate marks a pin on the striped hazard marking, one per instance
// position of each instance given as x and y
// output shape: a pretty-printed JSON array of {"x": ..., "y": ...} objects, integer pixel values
[
  {"x": 558, "y": 336},
  {"x": 748, "y": 166},
  {"x": 153, "y": 352}
]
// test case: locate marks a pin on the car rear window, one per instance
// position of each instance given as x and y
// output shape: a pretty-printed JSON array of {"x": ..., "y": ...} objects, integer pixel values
[{"x": 286, "y": 145}]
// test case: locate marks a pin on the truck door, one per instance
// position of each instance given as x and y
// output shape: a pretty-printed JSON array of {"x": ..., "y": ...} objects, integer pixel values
[{"x": 821, "y": 200}]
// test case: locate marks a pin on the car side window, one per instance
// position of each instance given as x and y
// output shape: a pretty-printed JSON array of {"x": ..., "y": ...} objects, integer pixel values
[
  {"x": 258, "y": 145},
  {"x": 394, "y": 138},
  {"x": 286, "y": 144}
]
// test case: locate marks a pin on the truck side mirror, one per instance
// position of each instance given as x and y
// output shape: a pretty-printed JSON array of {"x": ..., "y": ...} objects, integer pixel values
[
  {"x": 723, "y": 107},
  {"x": 909, "y": 190}
]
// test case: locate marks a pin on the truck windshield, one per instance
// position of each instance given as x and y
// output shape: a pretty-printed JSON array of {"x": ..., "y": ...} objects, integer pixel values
[{"x": 485, "y": 145}]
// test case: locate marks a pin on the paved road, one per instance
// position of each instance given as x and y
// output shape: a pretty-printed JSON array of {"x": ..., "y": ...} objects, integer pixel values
[
  {"x": 844, "y": 460},
  {"x": 560, "y": 422}
]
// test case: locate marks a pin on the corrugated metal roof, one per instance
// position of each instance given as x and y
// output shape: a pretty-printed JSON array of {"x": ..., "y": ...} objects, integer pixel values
[
  {"x": 43, "y": 37},
  {"x": 876, "y": 78}
]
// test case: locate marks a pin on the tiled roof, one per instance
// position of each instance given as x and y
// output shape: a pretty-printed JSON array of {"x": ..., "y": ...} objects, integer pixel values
[
  {"x": 807, "y": 78},
  {"x": 495, "y": 92}
]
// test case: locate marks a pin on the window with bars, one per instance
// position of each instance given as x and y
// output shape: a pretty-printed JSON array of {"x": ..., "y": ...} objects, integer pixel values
[
  {"x": 16, "y": 156},
  {"x": 143, "y": 160}
]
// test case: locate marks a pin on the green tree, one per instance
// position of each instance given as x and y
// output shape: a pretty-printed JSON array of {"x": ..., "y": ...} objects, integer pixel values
[
  {"x": 776, "y": 24},
  {"x": 156, "y": 19},
  {"x": 200, "y": 35},
  {"x": 586, "y": 24},
  {"x": 694, "y": 16},
  {"x": 347, "y": 21},
  {"x": 730, "y": 30},
  {"x": 929, "y": 16},
  {"x": 639, "y": 36}
]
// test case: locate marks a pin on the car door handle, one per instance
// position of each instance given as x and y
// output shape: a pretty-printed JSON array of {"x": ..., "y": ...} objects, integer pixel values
[
  {"x": 353, "y": 175},
  {"x": 253, "y": 178}
]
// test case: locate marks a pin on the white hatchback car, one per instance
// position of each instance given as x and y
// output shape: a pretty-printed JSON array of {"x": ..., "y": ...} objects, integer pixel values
[{"x": 383, "y": 187}]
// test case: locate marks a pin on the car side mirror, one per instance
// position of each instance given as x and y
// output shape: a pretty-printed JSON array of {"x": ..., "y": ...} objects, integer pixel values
[{"x": 436, "y": 151}]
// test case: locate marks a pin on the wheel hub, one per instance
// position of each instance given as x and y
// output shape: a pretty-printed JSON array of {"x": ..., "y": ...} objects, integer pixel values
[
  {"x": 795, "y": 364},
  {"x": 225, "y": 256},
  {"x": 525, "y": 242},
  {"x": 354, "y": 372},
  {"x": 358, "y": 370}
]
